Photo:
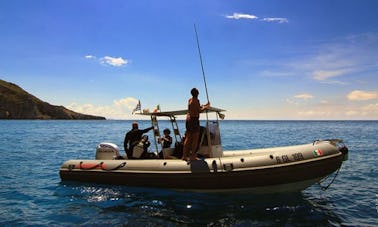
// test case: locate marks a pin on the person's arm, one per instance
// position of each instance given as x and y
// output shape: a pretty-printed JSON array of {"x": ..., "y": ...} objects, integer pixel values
[
  {"x": 125, "y": 142},
  {"x": 206, "y": 106},
  {"x": 147, "y": 129}
]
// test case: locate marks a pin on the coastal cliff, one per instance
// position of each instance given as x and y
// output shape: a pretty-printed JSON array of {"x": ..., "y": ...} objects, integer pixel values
[{"x": 16, "y": 103}]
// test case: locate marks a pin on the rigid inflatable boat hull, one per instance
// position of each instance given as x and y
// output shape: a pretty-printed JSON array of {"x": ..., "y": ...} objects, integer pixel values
[{"x": 207, "y": 175}]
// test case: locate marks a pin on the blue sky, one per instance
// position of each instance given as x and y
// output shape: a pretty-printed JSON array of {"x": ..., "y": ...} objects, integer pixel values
[{"x": 263, "y": 59}]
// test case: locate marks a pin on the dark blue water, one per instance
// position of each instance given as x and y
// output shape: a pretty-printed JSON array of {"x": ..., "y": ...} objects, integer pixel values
[{"x": 31, "y": 192}]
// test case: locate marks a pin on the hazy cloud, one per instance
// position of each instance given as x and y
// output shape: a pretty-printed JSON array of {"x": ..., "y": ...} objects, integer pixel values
[
  {"x": 371, "y": 108},
  {"x": 108, "y": 60},
  {"x": 129, "y": 102},
  {"x": 120, "y": 109},
  {"x": 369, "y": 111},
  {"x": 113, "y": 61},
  {"x": 90, "y": 57},
  {"x": 237, "y": 16},
  {"x": 304, "y": 96},
  {"x": 358, "y": 95},
  {"x": 326, "y": 75},
  {"x": 315, "y": 113},
  {"x": 276, "y": 19}
]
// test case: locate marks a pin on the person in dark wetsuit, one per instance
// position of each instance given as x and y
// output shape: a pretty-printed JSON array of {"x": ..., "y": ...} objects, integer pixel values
[
  {"x": 132, "y": 138},
  {"x": 192, "y": 125}
]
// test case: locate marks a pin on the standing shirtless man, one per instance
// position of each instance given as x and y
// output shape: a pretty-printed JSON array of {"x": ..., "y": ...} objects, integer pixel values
[{"x": 193, "y": 125}]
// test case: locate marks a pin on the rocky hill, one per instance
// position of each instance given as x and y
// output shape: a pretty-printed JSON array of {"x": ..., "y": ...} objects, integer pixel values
[{"x": 16, "y": 103}]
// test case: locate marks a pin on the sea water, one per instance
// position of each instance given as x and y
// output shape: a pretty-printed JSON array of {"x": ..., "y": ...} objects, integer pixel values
[{"x": 32, "y": 194}]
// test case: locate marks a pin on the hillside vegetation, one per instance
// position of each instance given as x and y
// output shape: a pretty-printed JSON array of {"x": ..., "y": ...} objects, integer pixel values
[{"x": 16, "y": 103}]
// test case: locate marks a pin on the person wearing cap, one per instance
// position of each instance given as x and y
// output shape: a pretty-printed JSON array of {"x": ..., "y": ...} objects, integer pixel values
[
  {"x": 132, "y": 138},
  {"x": 192, "y": 125}
]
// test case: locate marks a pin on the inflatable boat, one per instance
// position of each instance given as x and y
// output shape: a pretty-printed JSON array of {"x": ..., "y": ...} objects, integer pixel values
[{"x": 267, "y": 170}]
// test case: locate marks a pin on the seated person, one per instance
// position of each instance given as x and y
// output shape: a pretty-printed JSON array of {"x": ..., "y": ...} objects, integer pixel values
[
  {"x": 133, "y": 137},
  {"x": 141, "y": 149},
  {"x": 165, "y": 141}
]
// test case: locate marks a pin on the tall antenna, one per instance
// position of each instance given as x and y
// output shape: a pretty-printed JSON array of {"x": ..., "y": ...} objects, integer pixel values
[
  {"x": 207, "y": 96},
  {"x": 203, "y": 71}
]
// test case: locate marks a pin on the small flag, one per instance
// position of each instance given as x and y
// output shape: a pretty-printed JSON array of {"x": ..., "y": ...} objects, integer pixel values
[
  {"x": 317, "y": 152},
  {"x": 138, "y": 107},
  {"x": 157, "y": 108}
]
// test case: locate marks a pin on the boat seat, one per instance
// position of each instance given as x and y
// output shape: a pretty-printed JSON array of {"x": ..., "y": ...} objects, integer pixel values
[{"x": 168, "y": 152}]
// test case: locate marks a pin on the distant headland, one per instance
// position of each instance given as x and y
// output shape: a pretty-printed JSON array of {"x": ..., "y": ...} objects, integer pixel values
[{"x": 16, "y": 103}]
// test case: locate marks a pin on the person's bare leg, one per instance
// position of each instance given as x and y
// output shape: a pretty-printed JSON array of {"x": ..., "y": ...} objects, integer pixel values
[
  {"x": 187, "y": 146},
  {"x": 194, "y": 145}
]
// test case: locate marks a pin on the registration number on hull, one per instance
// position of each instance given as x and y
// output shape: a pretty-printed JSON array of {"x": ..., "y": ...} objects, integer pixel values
[{"x": 286, "y": 158}]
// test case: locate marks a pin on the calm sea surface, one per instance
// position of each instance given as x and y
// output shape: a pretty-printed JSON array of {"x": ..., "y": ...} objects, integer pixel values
[{"x": 32, "y": 194}]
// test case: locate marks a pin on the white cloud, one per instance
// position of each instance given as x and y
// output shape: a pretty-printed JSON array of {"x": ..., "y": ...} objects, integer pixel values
[
  {"x": 342, "y": 61},
  {"x": 358, "y": 95},
  {"x": 315, "y": 114},
  {"x": 237, "y": 16},
  {"x": 107, "y": 60},
  {"x": 322, "y": 75},
  {"x": 336, "y": 110},
  {"x": 90, "y": 56},
  {"x": 304, "y": 96},
  {"x": 113, "y": 61},
  {"x": 297, "y": 101},
  {"x": 352, "y": 113},
  {"x": 120, "y": 109},
  {"x": 369, "y": 111},
  {"x": 342, "y": 57},
  {"x": 280, "y": 20},
  {"x": 331, "y": 110},
  {"x": 129, "y": 103},
  {"x": 371, "y": 108}
]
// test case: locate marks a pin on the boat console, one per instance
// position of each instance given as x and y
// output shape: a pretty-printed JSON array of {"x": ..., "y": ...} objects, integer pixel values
[
  {"x": 107, "y": 151},
  {"x": 210, "y": 133}
]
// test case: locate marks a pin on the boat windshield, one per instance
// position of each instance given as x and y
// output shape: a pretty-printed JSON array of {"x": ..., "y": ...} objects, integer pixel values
[{"x": 209, "y": 133}]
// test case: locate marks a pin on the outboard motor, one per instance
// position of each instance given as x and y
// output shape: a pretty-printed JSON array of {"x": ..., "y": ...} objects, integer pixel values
[{"x": 107, "y": 151}]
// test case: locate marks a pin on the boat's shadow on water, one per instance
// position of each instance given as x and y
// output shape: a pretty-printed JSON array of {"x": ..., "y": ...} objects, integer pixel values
[{"x": 146, "y": 206}]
